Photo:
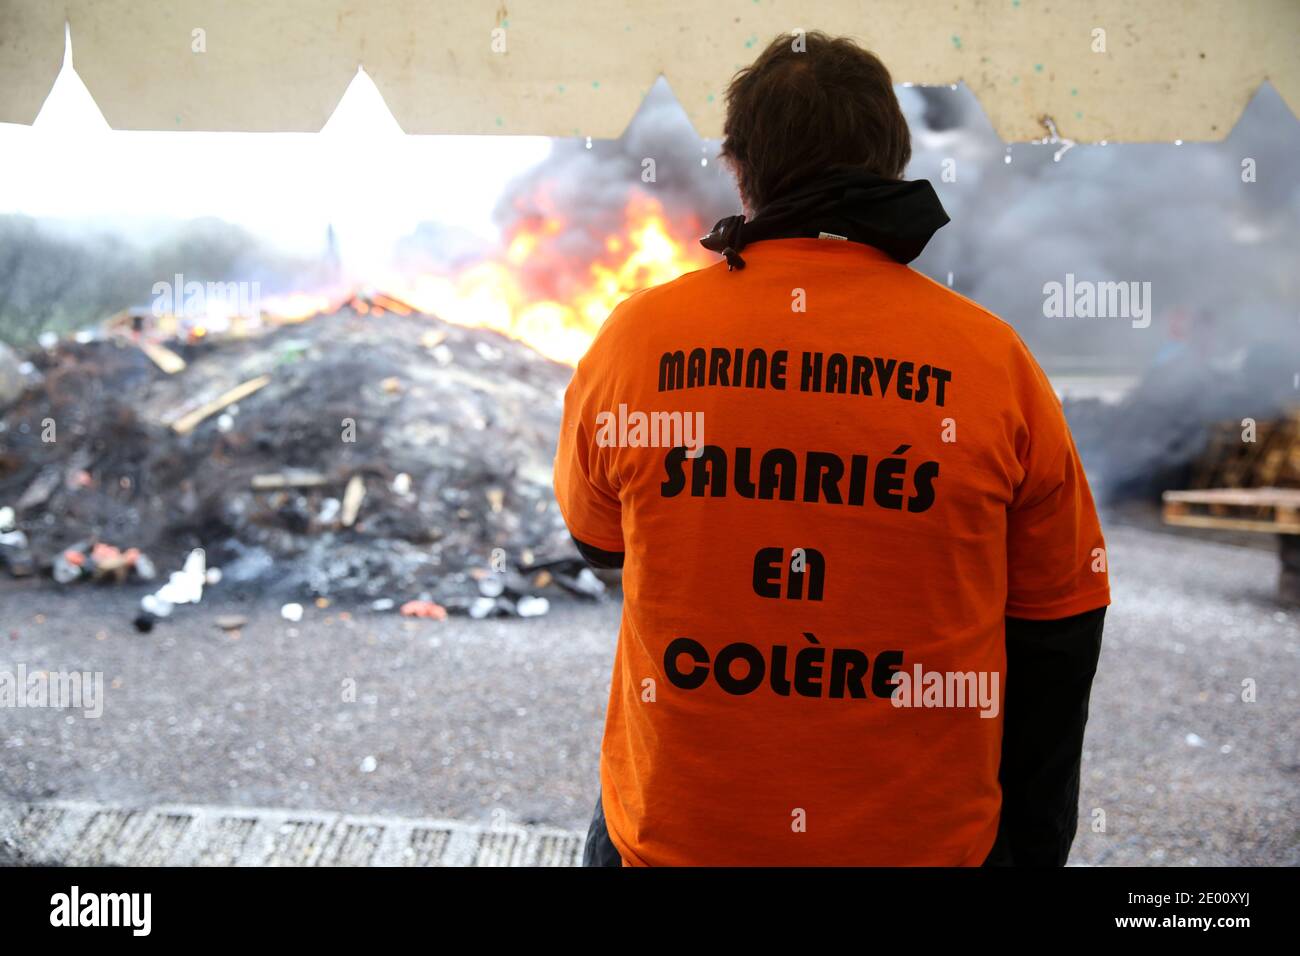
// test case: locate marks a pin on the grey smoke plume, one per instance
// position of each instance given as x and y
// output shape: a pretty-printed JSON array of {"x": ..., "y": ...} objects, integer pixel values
[
  {"x": 590, "y": 186},
  {"x": 1218, "y": 252}
]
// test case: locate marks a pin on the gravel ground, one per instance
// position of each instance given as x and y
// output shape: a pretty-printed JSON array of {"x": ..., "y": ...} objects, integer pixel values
[
  {"x": 1184, "y": 770},
  {"x": 500, "y": 721},
  {"x": 482, "y": 721}
]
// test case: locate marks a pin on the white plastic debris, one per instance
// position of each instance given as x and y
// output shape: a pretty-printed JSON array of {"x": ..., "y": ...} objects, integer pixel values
[
  {"x": 402, "y": 484},
  {"x": 491, "y": 586},
  {"x": 369, "y": 764},
  {"x": 156, "y": 605},
  {"x": 1194, "y": 741},
  {"x": 7, "y": 518},
  {"x": 213, "y": 576},
  {"x": 145, "y": 568},
  {"x": 225, "y": 422},
  {"x": 443, "y": 355},
  {"x": 532, "y": 606},
  {"x": 47, "y": 340},
  {"x": 382, "y": 604},
  {"x": 588, "y": 583},
  {"x": 292, "y": 612},
  {"x": 186, "y": 585},
  {"x": 329, "y": 510},
  {"x": 482, "y": 607}
]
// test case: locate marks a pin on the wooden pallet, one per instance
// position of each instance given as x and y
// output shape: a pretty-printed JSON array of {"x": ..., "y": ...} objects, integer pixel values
[
  {"x": 1271, "y": 510},
  {"x": 1271, "y": 460}
]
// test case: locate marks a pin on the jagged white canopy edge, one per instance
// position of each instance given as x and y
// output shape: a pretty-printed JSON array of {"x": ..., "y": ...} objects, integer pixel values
[{"x": 1107, "y": 70}]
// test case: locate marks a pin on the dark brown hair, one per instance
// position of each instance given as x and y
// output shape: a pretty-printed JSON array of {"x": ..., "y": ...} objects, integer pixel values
[{"x": 794, "y": 113}]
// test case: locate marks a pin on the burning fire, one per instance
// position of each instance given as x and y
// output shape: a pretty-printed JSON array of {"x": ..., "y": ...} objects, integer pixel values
[{"x": 530, "y": 291}]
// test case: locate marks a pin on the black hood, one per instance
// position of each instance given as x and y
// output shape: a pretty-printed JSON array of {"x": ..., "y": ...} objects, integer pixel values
[{"x": 896, "y": 217}]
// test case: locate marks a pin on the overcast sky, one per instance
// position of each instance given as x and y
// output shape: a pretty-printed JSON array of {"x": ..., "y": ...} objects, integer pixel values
[{"x": 361, "y": 173}]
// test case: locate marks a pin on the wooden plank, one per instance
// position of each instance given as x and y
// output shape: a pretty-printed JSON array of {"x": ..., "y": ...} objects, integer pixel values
[
  {"x": 188, "y": 422},
  {"x": 1232, "y": 524},
  {"x": 163, "y": 357},
  {"x": 391, "y": 303},
  {"x": 353, "y": 495},
  {"x": 290, "y": 479},
  {"x": 1270, "y": 510},
  {"x": 1257, "y": 497}
]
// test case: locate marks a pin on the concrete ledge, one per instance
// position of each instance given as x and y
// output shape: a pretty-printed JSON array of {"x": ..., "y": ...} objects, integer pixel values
[{"x": 75, "y": 833}]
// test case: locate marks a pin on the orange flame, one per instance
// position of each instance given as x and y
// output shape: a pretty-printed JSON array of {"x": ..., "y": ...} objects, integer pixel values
[
  {"x": 530, "y": 292},
  {"x": 498, "y": 294}
]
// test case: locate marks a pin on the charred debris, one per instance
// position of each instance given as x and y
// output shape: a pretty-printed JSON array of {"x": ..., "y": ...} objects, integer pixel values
[{"x": 364, "y": 455}]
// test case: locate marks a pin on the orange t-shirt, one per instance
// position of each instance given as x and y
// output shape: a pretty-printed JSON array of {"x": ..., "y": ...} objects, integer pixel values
[{"x": 866, "y": 474}]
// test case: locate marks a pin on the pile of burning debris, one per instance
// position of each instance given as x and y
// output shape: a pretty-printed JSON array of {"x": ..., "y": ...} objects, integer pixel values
[{"x": 364, "y": 454}]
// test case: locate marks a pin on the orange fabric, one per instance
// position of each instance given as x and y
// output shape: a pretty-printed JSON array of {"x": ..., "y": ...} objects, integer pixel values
[{"x": 921, "y": 562}]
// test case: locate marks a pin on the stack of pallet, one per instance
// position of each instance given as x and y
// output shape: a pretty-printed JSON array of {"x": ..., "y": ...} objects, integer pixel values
[
  {"x": 1271, "y": 460},
  {"x": 1249, "y": 485}
]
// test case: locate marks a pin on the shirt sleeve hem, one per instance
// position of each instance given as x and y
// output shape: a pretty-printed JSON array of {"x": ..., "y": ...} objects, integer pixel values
[
  {"x": 1053, "y": 610},
  {"x": 604, "y": 542}
]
